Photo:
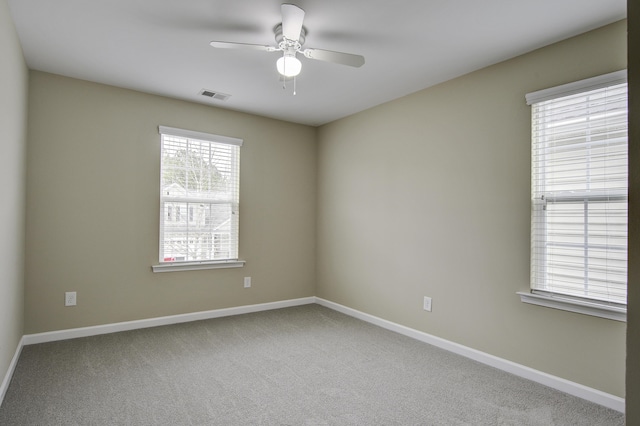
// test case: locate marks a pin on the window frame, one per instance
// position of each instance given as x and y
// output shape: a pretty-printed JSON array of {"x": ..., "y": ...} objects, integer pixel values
[
  {"x": 584, "y": 305},
  {"x": 189, "y": 265}
]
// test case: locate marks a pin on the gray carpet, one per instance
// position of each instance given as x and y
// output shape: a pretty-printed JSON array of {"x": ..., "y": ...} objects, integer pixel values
[{"x": 306, "y": 365}]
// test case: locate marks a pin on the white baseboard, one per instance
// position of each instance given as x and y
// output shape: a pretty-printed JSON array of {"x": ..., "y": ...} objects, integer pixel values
[
  {"x": 52, "y": 336},
  {"x": 563, "y": 385},
  {"x": 12, "y": 367}
]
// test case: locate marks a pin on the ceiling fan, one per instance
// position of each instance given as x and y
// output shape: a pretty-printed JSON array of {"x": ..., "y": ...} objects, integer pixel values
[{"x": 290, "y": 36}]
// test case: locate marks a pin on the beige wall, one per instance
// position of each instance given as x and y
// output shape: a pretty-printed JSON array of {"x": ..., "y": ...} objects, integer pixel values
[
  {"x": 428, "y": 195},
  {"x": 93, "y": 207},
  {"x": 633, "y": 299},
  {"x": 13, "y": 122}
]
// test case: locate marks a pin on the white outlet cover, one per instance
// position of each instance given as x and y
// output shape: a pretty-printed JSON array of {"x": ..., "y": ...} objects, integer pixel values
[
  {"x": 427, "y": 304},
  {"x": 247, "y": 282},
  {"x": 70, "y": 298}
]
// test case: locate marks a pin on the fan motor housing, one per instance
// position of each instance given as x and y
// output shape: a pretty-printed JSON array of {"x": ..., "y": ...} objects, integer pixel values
[{"x": 280, "y": 38}]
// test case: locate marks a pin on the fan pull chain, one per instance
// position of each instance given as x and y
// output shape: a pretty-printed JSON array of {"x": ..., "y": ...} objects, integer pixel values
[
  {"x": 294, "y": 85},
  {"x": 284, "y": 78}
]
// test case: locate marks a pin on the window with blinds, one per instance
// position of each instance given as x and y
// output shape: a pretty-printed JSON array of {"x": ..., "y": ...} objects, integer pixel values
[
  {"x": 199, "y": 196},
  {"x": 579, "y": 190}
]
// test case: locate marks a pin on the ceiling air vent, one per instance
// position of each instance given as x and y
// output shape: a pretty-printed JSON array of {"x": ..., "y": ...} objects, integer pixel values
[{"x": 215, "y": 95}]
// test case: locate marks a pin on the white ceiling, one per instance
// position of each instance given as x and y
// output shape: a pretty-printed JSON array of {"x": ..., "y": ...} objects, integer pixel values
[{"x": 162, "y": 46}]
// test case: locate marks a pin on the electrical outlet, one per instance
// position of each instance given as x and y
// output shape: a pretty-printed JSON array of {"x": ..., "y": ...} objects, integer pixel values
[
  {"x": 247, "y": 282},
  {"x": 427, "y": 304},
  {"x": 70, "y": 298}
]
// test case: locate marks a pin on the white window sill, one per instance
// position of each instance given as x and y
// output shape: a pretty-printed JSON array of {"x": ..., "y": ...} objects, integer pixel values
[
  {"x": 195, "y": 266},
  {"x": 615, "y": 313}
]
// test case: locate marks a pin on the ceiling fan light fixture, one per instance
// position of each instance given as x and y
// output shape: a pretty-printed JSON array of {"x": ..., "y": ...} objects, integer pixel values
[
  {"x": 289, "y": 65},
  {"x": 290, "y": 36}
]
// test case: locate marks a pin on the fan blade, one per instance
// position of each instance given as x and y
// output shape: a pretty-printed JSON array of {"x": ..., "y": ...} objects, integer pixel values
[
  {"x": 230, "y": 45},
  {"x": 335, "y": 57},
  {"x": 292, "y": 17}
]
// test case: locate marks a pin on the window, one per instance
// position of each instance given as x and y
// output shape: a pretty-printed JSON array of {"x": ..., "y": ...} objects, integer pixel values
[
  {"x": 579, "y": 193},
  {"x": 199, "y": 200}
]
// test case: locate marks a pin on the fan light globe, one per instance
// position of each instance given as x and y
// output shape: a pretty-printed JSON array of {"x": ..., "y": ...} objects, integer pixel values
[{"x": 289, "y": 66}]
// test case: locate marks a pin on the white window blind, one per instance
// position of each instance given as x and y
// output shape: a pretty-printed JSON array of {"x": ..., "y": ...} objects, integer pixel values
[
  {"x": 579, "y": 190},
  {"x": 199, "y": 200}
]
